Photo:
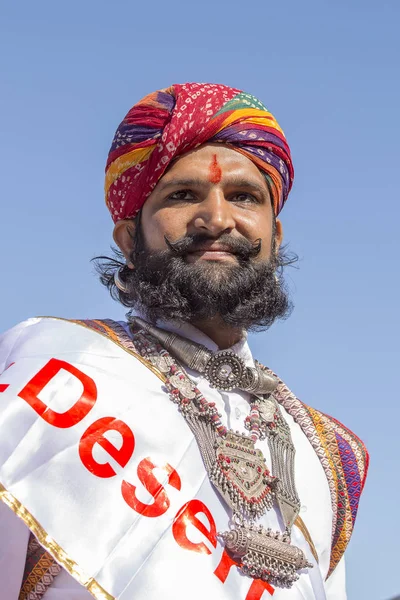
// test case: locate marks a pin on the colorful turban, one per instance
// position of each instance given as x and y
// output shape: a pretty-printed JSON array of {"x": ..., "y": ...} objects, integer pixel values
[{"x": 173, "y": 121}]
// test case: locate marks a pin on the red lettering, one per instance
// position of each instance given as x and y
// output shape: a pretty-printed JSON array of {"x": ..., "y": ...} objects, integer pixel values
[
  {"x": 224, "y": 566},
  {"x": 258, "y": 586},
  {"x": 187, "y": 515},
  {"x": 153, "y": 486},
  {"x": 95, "y": 435},
  {"x": 77, "y": 412},
  {"x": 4, "y": 386}
]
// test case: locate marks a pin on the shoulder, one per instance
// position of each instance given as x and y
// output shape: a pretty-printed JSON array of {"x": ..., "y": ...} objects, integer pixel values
[
  {"x": 50, "y": 334},
  {"x": 344, "y": 459},
  {"x": 346, "y": 466},
  {"x": 9, "y": 339}
]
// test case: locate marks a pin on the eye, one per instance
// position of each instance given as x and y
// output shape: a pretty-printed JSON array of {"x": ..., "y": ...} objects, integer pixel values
[
  {"x": 246, "y": 198},
  {"x": 181, "y": 196}
]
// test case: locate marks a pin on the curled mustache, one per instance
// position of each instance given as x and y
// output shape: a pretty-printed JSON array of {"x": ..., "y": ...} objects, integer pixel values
[{"x": 240, "y": 247}]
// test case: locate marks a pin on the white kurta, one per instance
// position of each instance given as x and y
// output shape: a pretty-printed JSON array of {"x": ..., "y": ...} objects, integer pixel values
[{"x": 186, "y": 574}]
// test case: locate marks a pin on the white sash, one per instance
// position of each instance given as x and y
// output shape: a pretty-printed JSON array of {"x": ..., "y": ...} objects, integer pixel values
[{"x": 129, "y": 513}]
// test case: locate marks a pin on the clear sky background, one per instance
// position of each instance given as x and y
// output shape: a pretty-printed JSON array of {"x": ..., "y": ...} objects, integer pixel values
[{"x": 329, "y": 71}]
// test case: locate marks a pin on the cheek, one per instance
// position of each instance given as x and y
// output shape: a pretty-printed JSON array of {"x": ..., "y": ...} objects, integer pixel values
[
  {"x": 166, "y": 222},
  {"x": 266, "y": 247},
  {"x": 258, "y": 227}
]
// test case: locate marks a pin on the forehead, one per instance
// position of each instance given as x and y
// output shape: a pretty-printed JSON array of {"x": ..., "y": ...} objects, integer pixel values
[{"x": 199, "y": 162}]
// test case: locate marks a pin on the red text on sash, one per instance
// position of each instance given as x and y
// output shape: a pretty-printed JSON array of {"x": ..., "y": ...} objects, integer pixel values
[
  {"x": 77, "y": 412},
  {"x": 94, "y": 434}
]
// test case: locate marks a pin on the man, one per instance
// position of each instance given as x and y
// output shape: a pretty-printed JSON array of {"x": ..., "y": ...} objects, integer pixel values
[{"x": 234, "y": 489}]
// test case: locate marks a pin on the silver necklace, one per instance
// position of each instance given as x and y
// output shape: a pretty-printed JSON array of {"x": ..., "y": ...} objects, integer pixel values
[
  {"x": 234, "y": 465},
  {"x": 225, "y": 370}
]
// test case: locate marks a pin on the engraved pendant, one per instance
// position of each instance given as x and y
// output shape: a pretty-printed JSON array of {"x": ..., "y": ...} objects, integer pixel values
[
  {"x": 241, "y": 476},
  {"x": 185, "y": 386},
  {"x": 162, "y": 363},
  {"x": 265, "y": 555},
  {"x": 267, "y": 410}
]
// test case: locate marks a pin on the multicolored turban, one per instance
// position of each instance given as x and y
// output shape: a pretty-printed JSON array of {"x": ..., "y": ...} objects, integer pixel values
[{"x": 173, "y": 121}]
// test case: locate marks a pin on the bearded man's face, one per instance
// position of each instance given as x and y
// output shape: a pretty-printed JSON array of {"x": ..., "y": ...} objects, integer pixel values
[{"x": 206, "y": 244}]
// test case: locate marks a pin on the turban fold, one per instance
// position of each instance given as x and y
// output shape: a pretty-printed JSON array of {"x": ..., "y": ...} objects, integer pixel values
[{"x": 169, "y": 123}]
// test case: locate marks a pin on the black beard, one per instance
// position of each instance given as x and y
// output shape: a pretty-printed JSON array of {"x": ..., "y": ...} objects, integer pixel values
[{"x": 246, "y": 294}]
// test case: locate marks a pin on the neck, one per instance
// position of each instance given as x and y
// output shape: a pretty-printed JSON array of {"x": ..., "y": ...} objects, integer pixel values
[{"x": 222, "y": 334}]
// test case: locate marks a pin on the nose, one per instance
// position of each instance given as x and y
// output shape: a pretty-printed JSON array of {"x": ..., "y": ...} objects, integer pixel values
[{"x": 214, "y": 214}]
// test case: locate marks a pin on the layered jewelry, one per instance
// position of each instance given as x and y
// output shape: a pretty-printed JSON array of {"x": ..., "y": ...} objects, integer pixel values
[{"x": 235, "y": 467}]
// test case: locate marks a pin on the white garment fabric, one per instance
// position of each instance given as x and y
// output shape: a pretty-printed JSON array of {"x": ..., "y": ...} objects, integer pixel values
[{"x": 311, "y": 483}]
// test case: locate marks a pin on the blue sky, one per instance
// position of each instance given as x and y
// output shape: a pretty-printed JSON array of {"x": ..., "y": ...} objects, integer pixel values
[{"x": 329, "y": 71}]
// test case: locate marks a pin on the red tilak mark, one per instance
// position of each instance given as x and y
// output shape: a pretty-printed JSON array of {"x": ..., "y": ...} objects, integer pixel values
[{"x": 215, "y": 175}]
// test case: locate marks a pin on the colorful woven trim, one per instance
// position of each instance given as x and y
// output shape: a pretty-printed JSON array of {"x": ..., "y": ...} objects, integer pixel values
[
  {"x": 343, "y": 456},
  {"x": 109, "y": 328},
  {"x": 39, "y": 573},
  {"x": 344, "y": 459}
]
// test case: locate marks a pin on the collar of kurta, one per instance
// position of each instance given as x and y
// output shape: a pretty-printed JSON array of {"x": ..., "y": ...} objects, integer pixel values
[{"x": 192, "y": 333}]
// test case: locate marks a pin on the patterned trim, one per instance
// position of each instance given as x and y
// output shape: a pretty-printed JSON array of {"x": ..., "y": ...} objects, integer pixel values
[
  {"x": 39, "y": 573},
  {"x": 343, "y": 456}
]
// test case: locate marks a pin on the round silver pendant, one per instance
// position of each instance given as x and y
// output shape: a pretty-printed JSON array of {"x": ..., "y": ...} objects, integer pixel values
[{"x": 225, "y": 370}]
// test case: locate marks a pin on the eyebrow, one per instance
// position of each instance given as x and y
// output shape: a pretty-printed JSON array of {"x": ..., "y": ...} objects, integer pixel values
[{"x": 238, "y": 182}]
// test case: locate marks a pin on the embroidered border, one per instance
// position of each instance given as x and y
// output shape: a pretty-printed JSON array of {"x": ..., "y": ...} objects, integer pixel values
[
  {"x": 39, "y": 573},
  {"x": 344, "y": 459}
]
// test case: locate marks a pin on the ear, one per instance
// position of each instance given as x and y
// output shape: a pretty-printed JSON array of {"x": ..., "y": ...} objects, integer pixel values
[
  {"x": 123, "y": 233},
  {"x": 278, "y": 234}
]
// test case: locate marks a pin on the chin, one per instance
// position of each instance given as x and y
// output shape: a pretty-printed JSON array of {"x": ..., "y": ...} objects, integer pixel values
[{"x": 216, "y": 271}]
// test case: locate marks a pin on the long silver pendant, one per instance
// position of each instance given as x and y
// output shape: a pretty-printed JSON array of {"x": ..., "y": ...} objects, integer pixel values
[
  {"x": 242, "y": 479},
  {"x": 265, "y": 555}
]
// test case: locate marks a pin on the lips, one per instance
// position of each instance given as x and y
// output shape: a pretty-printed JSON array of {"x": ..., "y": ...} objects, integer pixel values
[
  {"x": 217, "y": 248},
  {"x": 216, "y": 253}
]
